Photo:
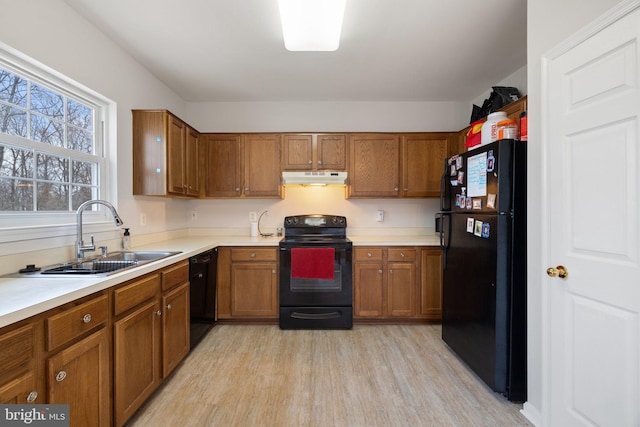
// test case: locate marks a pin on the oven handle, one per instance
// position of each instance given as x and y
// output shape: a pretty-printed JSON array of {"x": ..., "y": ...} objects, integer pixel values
[
  {"x": 315, "y": 316},
  {"x": 337, "y": 249}
]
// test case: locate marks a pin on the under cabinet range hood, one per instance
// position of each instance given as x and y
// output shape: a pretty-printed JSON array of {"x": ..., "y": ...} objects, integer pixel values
[{"x": 314, "y": 178}]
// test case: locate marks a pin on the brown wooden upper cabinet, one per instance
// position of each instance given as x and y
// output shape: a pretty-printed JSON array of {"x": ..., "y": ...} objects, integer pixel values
[
  {"x": 397, "y": 165},
  {"x": 374, "y": 165},
  {"x": 305, "y": 152},
  {"x": 423, "y": 158},
  {"x": 165, "y": 155},
  {"x": 242, "y": 165}
]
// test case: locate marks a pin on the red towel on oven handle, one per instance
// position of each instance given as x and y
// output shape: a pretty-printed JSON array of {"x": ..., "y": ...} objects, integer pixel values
[{"x": 312, "y": 263}]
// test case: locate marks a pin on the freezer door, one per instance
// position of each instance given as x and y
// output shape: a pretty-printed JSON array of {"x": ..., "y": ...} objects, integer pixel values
[{"x": 475, "y": 293}]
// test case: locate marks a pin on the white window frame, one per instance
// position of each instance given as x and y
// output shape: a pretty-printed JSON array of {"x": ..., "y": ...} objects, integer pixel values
[{"x": 24, "y": 226}]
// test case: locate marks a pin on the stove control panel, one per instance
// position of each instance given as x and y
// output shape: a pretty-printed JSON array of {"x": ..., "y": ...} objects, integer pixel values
[{"x": 315, "y": 220}]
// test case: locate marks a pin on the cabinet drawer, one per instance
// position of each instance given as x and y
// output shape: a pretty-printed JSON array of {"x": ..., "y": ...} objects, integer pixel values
[
  {"x": 368, "y": 254},
  {"x": 402, "y": 254},
  {"x": 252, "y": 254},
  {"x": 175, "y": 275},
  {"x": 75, "y": 321},
  {"x": 135, "y": 293},
  {"x": 17, "y": 349}
]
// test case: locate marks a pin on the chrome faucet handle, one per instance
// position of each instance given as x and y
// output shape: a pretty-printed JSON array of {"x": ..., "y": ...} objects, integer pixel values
[{"x": 103, "y": 250}]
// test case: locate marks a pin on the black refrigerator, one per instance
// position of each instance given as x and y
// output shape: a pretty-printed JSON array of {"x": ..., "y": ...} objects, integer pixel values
[{"x": 482, "y": 224}]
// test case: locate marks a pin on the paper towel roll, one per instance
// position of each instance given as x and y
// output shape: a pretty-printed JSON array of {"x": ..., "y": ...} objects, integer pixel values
[{"x": 254, "y": 229}]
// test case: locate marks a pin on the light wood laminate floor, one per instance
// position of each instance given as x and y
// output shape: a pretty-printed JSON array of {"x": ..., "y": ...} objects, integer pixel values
[{"x": 382, "y": 375}]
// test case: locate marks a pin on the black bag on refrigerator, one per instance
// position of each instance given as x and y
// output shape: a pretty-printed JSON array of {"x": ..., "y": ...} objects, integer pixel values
[{"x": 499, "y": 97}]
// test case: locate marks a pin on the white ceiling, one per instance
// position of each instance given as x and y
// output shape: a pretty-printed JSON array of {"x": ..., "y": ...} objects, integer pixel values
[{"x": 390, "y": 50}]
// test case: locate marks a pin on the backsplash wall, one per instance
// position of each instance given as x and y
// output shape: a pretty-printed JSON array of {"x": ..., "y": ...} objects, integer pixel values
[{"x": 401, "y": 215}]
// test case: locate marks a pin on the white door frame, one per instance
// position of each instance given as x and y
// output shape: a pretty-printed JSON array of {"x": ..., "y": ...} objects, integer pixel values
[{"x": 622, "y": 9}]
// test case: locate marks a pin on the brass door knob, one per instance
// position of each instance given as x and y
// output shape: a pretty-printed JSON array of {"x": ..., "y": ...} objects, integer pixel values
[{"x": 559, "y": 271}]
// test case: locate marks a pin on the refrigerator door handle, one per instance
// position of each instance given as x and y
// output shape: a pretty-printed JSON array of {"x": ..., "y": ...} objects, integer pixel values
[
  {"x": 444, "y": 193},
  {"x": 445, "y": 221}
]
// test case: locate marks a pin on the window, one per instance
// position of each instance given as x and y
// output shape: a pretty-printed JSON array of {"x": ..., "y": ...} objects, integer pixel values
[{"x": 51, "y": 149}]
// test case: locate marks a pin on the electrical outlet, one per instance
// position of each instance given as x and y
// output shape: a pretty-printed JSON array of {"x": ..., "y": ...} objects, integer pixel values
[
  {"x": 143, "y": 219},
  {"x": 194, "y": 215},
  {"x": 379, "y": 215},
  {"x": 253, "y": 216}
]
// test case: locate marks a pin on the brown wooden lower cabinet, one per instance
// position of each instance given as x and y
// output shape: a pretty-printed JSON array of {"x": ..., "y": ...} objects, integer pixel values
[
  {"x": 431, "y": 284},
  {"x": 395, "y": 283},
  {"x": 80, "y": 376},
  {"x": 384, "y": 283},
  {"x": 175, "y": 327},
  {"x": 247, "y": 283},
  {"x": 136, "y": 353},
  {"x": 18, "y": 368}
]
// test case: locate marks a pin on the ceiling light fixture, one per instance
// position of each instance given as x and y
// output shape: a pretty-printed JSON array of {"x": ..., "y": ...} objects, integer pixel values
[{"x": 311, "y": 25}]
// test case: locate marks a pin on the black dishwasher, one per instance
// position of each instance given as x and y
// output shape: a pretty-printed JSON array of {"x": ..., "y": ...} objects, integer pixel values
[{"x": 202, "y": 276}]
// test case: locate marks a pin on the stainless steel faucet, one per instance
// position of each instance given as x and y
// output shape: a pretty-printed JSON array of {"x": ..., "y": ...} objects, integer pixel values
[{"x": 81, "y": 248}]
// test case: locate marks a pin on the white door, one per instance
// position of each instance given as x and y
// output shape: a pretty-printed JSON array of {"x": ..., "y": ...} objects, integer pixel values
[{"x": 591, "y": 134}]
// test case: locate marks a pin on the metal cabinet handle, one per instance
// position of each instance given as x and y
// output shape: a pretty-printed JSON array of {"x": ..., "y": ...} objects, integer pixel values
[
  {"x": 402, "y": 254},
  {"x": 246, "y": 188},
  {"x": 309, "y": 162},
  {"x": 369, "y": 254},
  {"x": 86, "y": 318},
  {"x": 395, "y": 188},
  {"x": 380, "y": 271},
  {"x": 391, "y": 271},
  {"x": 31, "y": 397},
  {"x": 159, "y": 313},
  {"x": 319, "y": 162},
  {"x": 253, "y": 255},
  {"x": 273, "y": 271},
  {"x": 237, "y": 188},
  {"x": 61, "y": 376},
  {"x": 168, "y": 306}
]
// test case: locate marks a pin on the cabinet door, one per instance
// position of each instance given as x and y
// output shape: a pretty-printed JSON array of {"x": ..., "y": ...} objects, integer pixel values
[
  {"x": 175, "y": 327},
  {"x": 368, "y": 290},
  {"x": 149, "y": 153},
  {"x": 80, "y": 376},
  {"x": 254, "y": 289},
  {"x": 374, "y": 161},
  {"x": 176, "y": 155},
  {"x": 401, "y": 289},
  {"x": 431, "y": 284},
  {"x": 20, "y": 390},
  {"x": 423, "y": 158},
  {"x": 297, "y": 152},
  {"x": 136, "y": 356},
  {"x": 192, "y": 165},
  {"x": 262, "y": 165},
  {"x": 331, "y": 151},
  {"x": 223, "y": 177}
]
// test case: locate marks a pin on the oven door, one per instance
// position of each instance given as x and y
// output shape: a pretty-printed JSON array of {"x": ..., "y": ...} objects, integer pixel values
[{"x": 297, "y": 292}]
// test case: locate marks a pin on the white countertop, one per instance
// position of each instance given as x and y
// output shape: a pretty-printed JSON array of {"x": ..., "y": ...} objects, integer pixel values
[{"x": 21, "y": 298}]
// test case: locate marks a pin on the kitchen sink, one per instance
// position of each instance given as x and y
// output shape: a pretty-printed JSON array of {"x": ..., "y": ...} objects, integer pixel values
[{"x": 104, "y": 265}]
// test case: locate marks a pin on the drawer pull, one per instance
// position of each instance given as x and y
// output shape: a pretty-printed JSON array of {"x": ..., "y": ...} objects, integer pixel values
[
  {"x": 61, "y": 376},
  {"x": 86, "y": 318},
  {"x": 380, "y": 271},
  {"x": 168, "y": 306},
  {"x": 369, "y": 254},
  {"x": 253, "y": 255},
  {"x": 159, "y": 313},
  {"x": 31, "y": 397},
  {"x": 402, "y": 254}
]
